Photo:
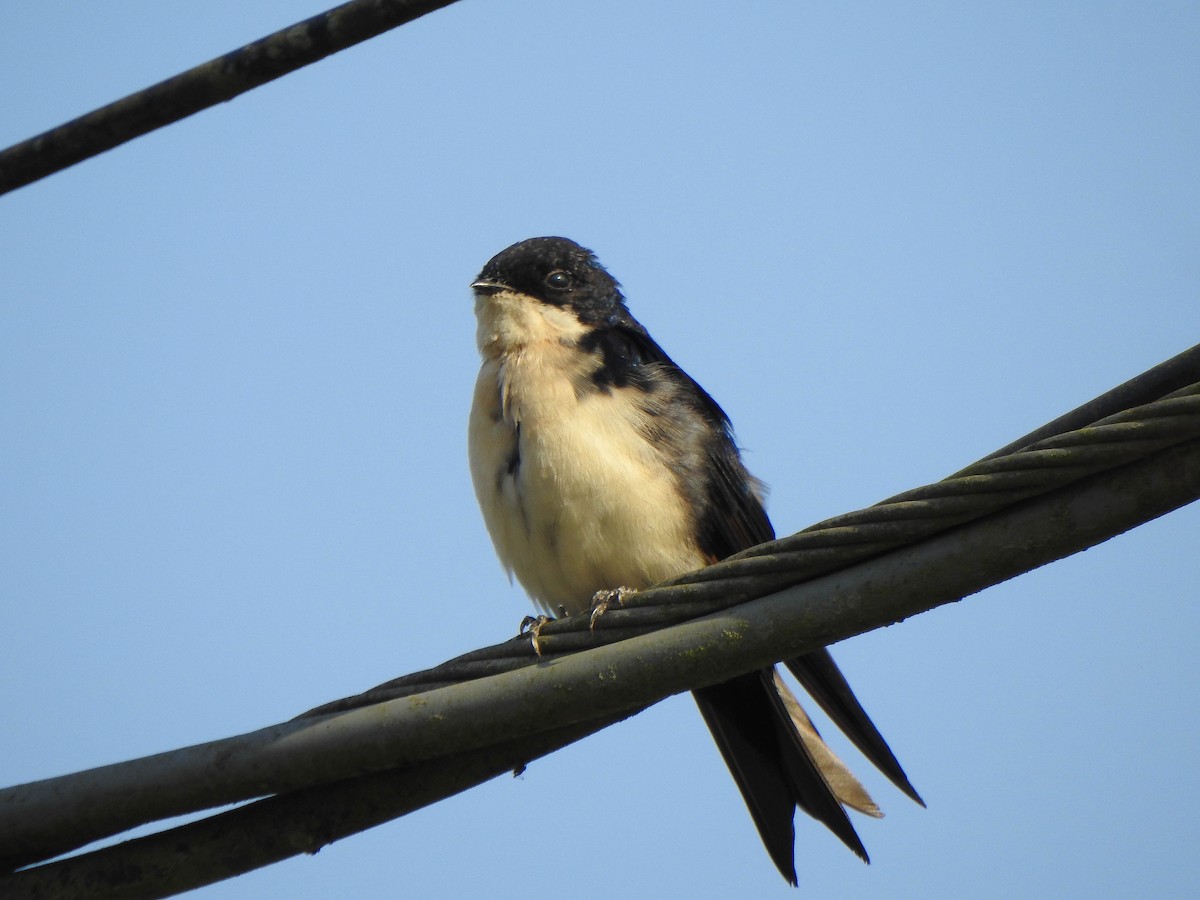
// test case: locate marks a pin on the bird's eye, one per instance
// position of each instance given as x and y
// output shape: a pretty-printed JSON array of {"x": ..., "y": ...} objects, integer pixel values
[{"x": 558, "y": 280}]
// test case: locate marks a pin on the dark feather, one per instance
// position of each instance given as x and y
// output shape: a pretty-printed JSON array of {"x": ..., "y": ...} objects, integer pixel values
[
  {"x": 770, "y": 764},
  {"x": 746, "y": 716},
  {"x": 728, "y": 497}
]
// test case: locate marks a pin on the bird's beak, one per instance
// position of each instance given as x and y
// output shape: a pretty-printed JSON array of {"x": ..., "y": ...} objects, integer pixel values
[{"x": 488, "y": 287}]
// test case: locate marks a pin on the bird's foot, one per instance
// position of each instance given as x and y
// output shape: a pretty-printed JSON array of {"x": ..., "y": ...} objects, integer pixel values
[
  {"x": 602, "y": 600},
  {"x": 532, "y": 626}
]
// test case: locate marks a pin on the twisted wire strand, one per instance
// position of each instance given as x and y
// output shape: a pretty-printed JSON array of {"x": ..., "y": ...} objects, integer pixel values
[
  {"x": 420, "y": 750},
  {"x": 1153, "y": 384},
  {"x": 979, "y": 490},
  {"x": 306, "y": 764}
]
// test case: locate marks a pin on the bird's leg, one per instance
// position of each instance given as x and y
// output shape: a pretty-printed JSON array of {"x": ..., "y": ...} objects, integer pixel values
[
  {"x": 602, "y": 600},
  {"x": 533, "y": 625}
]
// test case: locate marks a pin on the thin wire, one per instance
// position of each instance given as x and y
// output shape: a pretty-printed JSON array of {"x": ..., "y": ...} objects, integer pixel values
[{"x": 205, "y": 85}]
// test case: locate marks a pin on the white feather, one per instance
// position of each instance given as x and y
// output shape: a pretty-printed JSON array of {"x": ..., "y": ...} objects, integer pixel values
[{"x": 591, "y": 505}]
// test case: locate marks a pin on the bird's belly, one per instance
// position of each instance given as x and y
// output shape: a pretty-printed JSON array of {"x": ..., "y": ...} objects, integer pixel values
[{"x": 577, "y": 500}]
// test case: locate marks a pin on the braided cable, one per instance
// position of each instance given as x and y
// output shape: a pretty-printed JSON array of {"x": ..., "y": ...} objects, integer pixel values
[
  {"x": 980, "y": 490},
  {"x": 331, "y": 775}
]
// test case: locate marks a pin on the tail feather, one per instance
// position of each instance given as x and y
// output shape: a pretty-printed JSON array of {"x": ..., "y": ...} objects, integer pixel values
[
  {"x": 772, "y": 765},
  {"x": 847, "y": 788},
  {"x": 820, "y": 676}
]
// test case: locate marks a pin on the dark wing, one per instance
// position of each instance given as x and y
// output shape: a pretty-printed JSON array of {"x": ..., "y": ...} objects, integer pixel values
[
  {"x": 748, "y": 719},
  {"x": 728, "y": 497}
]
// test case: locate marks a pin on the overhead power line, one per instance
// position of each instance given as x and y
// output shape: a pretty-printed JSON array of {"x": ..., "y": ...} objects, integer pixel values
[
  {"x": 205, "y": 85},
  {"x": 358, "y": 762}
]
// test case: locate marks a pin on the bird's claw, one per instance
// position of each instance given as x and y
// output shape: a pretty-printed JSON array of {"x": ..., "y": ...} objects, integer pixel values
[
  {"x": 602, "y": 600},
  {"x": 533, "y": 625}
]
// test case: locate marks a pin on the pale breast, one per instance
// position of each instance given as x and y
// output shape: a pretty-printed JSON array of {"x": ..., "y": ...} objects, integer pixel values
[{"x": 574, "y": 495}]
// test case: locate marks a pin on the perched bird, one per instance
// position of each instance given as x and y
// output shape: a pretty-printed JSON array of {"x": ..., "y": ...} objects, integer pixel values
[{"x": 600, "y": 464}]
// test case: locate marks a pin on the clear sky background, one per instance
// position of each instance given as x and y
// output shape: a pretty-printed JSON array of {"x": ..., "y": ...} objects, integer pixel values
[{"x": 236, "y": 359}]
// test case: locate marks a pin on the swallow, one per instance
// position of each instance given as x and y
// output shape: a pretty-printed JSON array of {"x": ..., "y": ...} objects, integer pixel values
[{"x": 600, "y": 464}]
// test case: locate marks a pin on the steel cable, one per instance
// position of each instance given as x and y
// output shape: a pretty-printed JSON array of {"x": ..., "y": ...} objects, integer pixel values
[{"x": 979, "y": 490}]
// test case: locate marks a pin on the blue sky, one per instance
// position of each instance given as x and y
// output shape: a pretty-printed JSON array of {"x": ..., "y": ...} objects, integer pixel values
[{"x": 236, "y": 359}]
